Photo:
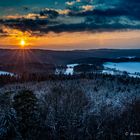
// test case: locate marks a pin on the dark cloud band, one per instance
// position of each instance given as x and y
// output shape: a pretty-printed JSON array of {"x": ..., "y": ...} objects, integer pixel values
[{"x": 103, "y": 17}]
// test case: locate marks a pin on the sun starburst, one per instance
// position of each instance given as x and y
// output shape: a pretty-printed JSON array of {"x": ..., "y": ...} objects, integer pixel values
[{"x": 22, "y": 43}]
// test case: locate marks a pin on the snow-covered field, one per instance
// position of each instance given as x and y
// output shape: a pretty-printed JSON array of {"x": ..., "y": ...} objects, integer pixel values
[
  {"x": 70, "y": 69},
  {"x": 132, "y": 68},
  {"x": 5, "y": 73}
]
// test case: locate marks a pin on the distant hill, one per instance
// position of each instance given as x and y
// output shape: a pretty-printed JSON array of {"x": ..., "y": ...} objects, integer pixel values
[
  {"x": 8, "y": 56},
  {"x": 36, "y": 60}
]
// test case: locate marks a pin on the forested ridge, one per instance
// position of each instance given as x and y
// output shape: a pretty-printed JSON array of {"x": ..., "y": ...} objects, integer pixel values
[{"x": 87, "y": 108}]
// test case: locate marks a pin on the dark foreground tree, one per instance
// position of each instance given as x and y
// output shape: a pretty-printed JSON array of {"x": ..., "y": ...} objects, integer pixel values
[
  {"x": 25, "y": 104},
  {"x": 8, "y": 120}
]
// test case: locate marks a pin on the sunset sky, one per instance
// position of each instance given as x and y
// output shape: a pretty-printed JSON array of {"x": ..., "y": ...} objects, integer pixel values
[{"x": 70, "y": 24}]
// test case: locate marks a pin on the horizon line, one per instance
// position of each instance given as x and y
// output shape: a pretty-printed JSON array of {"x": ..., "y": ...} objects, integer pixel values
[{"x": 68, "y": 49}]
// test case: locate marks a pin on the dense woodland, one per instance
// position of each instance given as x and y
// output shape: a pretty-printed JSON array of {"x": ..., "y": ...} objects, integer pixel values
[{"x": 78, "y": 107}]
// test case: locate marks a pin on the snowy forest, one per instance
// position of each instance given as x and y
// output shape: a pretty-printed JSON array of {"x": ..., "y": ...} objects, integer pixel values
[{"x": 82, "y": 107}]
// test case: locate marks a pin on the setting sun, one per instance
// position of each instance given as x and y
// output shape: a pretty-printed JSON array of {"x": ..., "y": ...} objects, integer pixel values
[{"x": 22, "y": 43}]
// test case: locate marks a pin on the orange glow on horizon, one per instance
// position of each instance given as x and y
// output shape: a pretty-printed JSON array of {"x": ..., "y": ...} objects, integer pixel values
[{"x": 87, "y": 40}]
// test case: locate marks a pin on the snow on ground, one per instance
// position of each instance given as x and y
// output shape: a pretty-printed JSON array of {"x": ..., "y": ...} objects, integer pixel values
[
  {"x": 129, "y": 57},
  {"x": 6, "y": 73},
  {"x": 132, "y": 68},
  {"x": 108, "y": 72},
  {"x": 70, "y": 69}
]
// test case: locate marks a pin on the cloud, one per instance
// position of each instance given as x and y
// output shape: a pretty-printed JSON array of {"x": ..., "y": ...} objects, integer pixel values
[
  {"x": 50, "y": 13},
  {"x": 87, "y": 7},
  {"x": 70, "y": 3},
  {"x": 78, "y": 16}
]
